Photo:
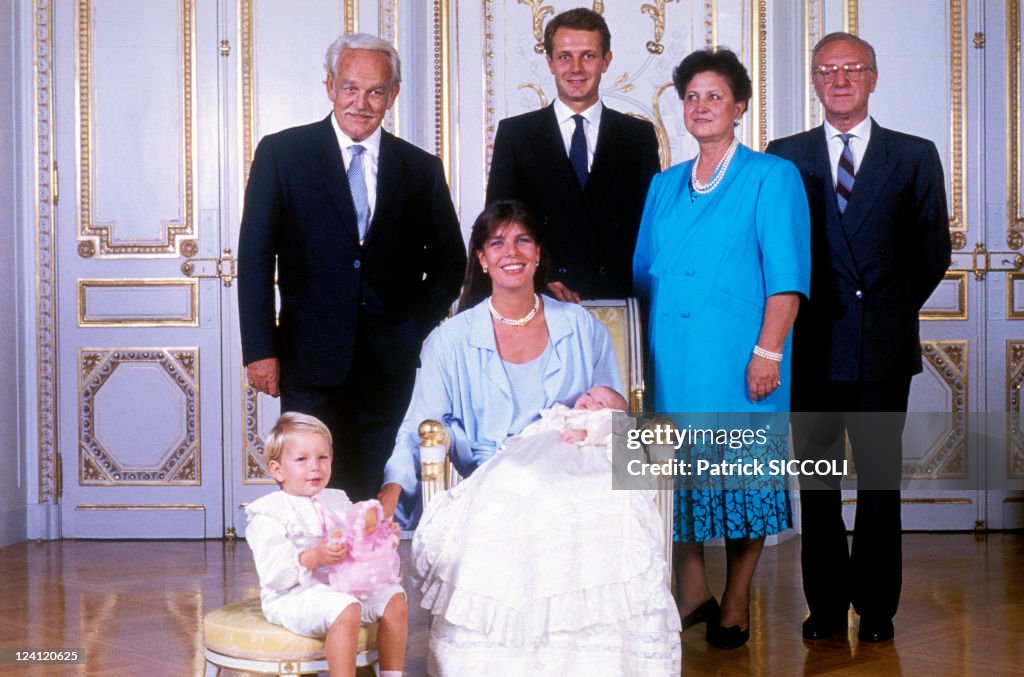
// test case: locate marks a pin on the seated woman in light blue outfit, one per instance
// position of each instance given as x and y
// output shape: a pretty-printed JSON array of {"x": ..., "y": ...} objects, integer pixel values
[
  {"x": 568, "y": 588},
  {"x": 721, "y": 261}
]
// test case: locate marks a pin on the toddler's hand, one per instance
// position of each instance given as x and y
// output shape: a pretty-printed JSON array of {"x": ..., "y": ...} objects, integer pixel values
[
  {"x": 327, "y": 552},
  {"x": 574, "y": 435}
]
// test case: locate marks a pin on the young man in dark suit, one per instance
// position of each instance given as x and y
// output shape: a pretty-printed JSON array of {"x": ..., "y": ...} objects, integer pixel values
[
  {"x": 580, "y": 166},
  {"x": 880, "y": 246},
  {"x": 368, "y": 255}
]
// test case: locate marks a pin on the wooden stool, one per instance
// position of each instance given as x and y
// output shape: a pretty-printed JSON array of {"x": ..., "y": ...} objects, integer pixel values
[{"x": 239, "y": 637}]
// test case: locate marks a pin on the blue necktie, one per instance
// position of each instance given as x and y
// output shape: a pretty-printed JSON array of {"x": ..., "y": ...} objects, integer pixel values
[
  {"x": 357, "y": 184},
  {"x": 578, "y": 151},
  {"x": 844, "y": 174}
]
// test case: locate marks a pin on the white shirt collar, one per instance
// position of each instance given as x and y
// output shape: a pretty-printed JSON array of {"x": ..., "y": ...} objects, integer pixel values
[
  {"x": 370, "y": 143},
  {"x": 592, "y": 115},
  {"x": 861, "y": 130}
]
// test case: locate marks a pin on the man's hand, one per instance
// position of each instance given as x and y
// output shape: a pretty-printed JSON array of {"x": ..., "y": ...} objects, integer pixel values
[
  {"x": 563, "y": 293},
  {"x": 388, "y": 497},
  {"x": 265, "y": 375}
]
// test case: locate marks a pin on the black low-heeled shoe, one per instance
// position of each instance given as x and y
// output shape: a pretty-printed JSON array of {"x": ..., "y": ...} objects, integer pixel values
[
  {"x": 708, "y": 612},
  {"x": 727, "y": 638}
]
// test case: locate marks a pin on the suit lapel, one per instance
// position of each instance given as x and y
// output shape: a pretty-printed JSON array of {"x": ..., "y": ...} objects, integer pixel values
[
  {"x": 390, "y": 173},
  {"x": 872, "y": 175},
  {"x": 333, "y": 177},
  {"x": 549, "y": 135},
  {"x": 607, "y": 144}
]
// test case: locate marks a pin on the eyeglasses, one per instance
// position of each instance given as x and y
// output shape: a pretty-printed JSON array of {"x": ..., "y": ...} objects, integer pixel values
[{"x": 853, "y": 71}]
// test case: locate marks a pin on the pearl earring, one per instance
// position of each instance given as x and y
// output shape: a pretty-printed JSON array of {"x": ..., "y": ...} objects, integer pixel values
[{"x": 484, "y": 267}]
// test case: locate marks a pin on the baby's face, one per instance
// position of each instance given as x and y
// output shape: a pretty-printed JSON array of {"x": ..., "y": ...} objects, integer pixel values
[{"x": 601, "y": 397}]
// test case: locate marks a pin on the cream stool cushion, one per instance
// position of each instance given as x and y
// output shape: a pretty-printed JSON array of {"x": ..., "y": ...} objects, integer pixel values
[{"x": 238, "y": 636}]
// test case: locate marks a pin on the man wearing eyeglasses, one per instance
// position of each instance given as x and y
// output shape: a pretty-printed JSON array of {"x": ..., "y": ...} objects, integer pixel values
[{"x": 880, "y": 245}]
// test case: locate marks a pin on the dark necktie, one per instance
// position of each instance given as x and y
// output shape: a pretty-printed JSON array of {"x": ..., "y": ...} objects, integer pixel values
[
  {"x": 357, "y": 184},
  {"x": 844, "y": 174},
  {"x": 578, "y": 151}
]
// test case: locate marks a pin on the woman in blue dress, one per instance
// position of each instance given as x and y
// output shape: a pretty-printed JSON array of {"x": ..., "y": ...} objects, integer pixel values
[{"x": 721, "y": 261}]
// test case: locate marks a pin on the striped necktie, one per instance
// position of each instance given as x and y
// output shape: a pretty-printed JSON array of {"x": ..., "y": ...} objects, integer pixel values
[
  {"x": 357, "y": 184},
  {"x": 844, "y": 174}
]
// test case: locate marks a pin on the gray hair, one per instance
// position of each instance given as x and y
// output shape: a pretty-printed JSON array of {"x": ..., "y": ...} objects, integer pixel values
[
  {"x": 363, "y": 41},
  {"x": 840, "y": 36}
]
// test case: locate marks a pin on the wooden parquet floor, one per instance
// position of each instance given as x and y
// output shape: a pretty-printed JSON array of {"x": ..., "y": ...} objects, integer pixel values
[{"x": 136, "y": 608}]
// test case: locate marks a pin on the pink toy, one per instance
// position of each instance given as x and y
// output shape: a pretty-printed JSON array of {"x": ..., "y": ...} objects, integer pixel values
[{"x": 372, "y": 560}]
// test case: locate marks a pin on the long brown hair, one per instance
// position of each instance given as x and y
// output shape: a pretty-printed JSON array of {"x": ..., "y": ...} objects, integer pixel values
[{"x": 477, "y": 285}]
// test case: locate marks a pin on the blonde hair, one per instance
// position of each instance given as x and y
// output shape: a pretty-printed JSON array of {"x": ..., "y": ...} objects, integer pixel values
[{"x": 291, "y": 423}]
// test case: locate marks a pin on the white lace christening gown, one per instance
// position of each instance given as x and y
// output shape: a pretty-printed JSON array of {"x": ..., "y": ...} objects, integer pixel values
[{"x": 535, "y": 566}]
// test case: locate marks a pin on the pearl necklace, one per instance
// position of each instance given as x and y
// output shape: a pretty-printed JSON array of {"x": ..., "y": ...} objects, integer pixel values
[
  {"x": 521, "y": 322},
  {"x": 716, "y": 178}
]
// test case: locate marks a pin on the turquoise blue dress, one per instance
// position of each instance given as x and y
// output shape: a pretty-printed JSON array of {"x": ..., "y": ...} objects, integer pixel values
[{"x": 705, "y": 265}]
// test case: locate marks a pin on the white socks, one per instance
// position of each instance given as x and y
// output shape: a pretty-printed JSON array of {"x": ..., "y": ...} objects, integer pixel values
[{"x": 390, "y": 673}]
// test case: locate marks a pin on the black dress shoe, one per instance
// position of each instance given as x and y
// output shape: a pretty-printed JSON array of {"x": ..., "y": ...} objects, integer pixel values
[
  {"x": 708, "y": 612},
  {"x": 727, "y": 638},
  {"x": 819, "y": 627},
  {"x": 875, "y": 629}
]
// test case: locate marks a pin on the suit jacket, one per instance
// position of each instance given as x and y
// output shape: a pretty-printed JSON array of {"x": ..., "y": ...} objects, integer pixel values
[
  {"x": 590, "y": 233},
  {"x": 299, "y": 211},
  {"x": 874, "y": 267}
]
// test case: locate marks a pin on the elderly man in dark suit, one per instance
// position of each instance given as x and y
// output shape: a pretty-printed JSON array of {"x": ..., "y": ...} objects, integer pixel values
[
  {"x": 880, "y": 246},
  {"x": 368, "y": 254},
  {"x": 580, "y": 166}
]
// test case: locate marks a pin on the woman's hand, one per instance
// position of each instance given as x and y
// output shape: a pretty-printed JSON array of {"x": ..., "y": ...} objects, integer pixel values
[
  {"x": 324, "y": 554},
  {"x": 762, "y": 377}
]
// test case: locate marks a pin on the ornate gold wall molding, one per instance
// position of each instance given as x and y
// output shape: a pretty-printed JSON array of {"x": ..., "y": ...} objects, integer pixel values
[
  {"x": 254, "y": 466},
  {"x": 759, "y": 71},
  {"x": 387, "y": 14},
  {"x": 657, "y": 14},
  {"x": 1015, "y": 142},
  {"x": 851, "y": 21},
  {"x": 1014, "y": 415},
  {"x": 442, "y": 85},
  {"x": 813, "y": 29},
  {"x": 351, "y": 16},
  {"x": 958, "y": 134},
  {"x": 539, "y": 12},
  {"x": 46, "y": 254},
  {"x": 180, "y": 302},
  {"x": 960, "y": 279},
  {"x": 101, "y": 233},
  {"x": 100, "y": 464},
  {"x": 947, "y": 459}
]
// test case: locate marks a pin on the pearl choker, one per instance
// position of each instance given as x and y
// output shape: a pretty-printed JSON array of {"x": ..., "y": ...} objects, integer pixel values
[
  {"x": 521, "y": 322},
  {"x": 716, "y": 178}
]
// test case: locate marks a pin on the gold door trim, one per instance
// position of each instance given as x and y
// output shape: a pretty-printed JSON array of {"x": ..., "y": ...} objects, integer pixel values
[
  {"x": 95, "y": 237},
  {"x": 922, "y": 501},
  {"x": 1015, "y": 142},
  {"x": 442, "y": 86},
  {"x": 189, "y": 320},
  {"x": 1014, "y": 413},
  {"x": 45, "y": 254},
  {"x": 99, "y": 465},
  {"x": 139, "y": 506},
  {"x": 960, "y": 279}
]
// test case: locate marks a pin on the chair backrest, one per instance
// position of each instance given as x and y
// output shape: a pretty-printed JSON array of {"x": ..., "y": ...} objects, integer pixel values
[{"x": 622, "y": 319}]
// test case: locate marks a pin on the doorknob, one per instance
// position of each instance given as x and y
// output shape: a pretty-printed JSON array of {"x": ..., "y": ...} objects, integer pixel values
[{"x": 225, "y": 267}]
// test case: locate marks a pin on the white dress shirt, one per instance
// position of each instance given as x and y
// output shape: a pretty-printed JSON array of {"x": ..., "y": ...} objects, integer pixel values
[
  {"x": 591, "y": 125},
  {"x": 371, "y": 156},
  {"x": 860, "y": 134}
]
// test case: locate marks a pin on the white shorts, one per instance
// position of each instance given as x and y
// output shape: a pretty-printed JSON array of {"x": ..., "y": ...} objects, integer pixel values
[{"x": 312, "y": 611}]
